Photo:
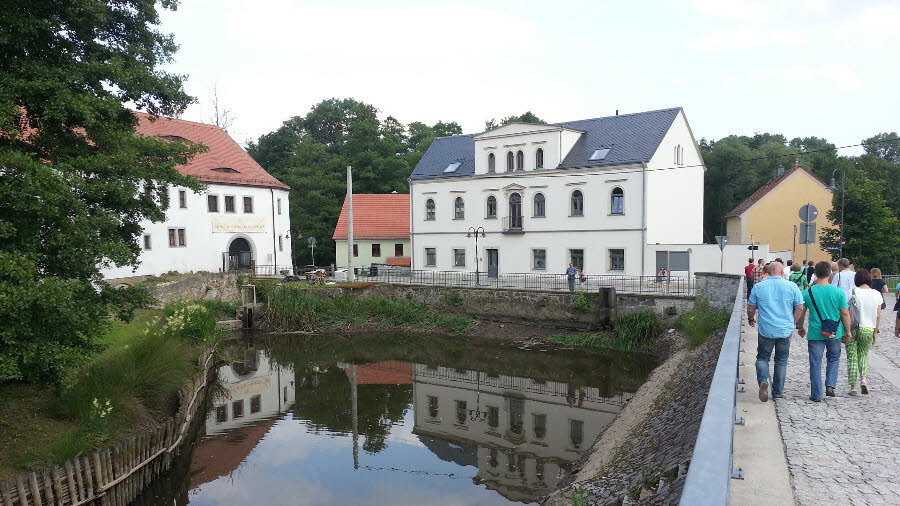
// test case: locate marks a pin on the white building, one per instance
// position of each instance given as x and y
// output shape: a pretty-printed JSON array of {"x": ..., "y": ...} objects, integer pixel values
[
  {"x": 241, "y": 219},
  {"x": 597, "y": 193}
]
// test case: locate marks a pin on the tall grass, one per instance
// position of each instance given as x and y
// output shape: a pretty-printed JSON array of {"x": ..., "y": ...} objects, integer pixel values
[
  {"x": 633, "y": 333},
  {"x": 703, "y": 321},
  {"x": 292, "y": 308}
]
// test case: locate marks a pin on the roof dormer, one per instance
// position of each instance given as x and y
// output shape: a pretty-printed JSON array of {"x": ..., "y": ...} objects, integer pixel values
[{"x": 519, "y": 147}]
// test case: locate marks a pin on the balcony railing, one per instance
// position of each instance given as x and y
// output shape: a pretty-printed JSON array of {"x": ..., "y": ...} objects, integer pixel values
[{"x": 513, "y": 225}]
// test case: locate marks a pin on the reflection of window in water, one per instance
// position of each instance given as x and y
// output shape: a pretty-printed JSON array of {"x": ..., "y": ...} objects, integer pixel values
[
  {"x": 431, "y": 367},
  {"x": 493, "y": 457},
  {"x": 511, "y": 462},
  {"x": 516, "y": 415},
  {"x": 462, "y": 372},
  {"x": 493, "y": 416},
  {"x": 432, "y": 406},
  {"x": 539, "y": 382},
  {"x": 222, "y": 413},
  {"x": 256, "y": 404},
  {"x": 285, "y": 394},
  {"x": 539, "y": 469},
  {"x": 492, "y": 375},
  {"x": 576, "y": 431},
  {"x": 540, "y": 426},
  {"x": 516, "y": 463},
  {"x": 461, "y": 412},
  {"x": 237, "y": 409}
]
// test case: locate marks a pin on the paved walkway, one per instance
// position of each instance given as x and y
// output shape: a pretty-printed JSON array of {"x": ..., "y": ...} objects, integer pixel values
[{"x": 844, "y": 450}]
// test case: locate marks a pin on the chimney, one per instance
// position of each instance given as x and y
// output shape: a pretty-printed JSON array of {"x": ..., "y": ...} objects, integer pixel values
[{"x": 617, "y": 112}]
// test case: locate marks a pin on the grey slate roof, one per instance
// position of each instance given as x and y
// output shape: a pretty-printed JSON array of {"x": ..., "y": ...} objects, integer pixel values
[{"x": 633, "y": 138}]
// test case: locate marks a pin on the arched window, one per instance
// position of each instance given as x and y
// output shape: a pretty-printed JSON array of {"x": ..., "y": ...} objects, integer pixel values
[
  {"x": 617, "y": 201},
  {"x": 491, "y": 163},
  {"x": 459, "y": 209},
  {"x": 520, "y": 161},
  {"x": 539, "y": 159},
  {"x": 429, "y": 209},
  {"x": 539, "y": 210},
  {"x": 510, "y": 162},
  {"x": 577, "y": 203},
  {"x": 492, "y": 207},
  {"x": 514, "y": 221}
]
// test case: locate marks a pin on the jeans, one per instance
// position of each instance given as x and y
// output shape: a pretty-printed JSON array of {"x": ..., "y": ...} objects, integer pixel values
[
  {"x": 571, "y": 284},
  {"x": 749, "y": 286},
  {"x": 782, "y": 347},
  {"x": 832, "y": 349}
]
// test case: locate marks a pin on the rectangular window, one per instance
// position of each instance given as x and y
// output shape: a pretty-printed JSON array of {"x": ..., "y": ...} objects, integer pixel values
[
  {"x": 182, "y": 199},
  {"x": 229, "y": 203},
  {"x": 279, "y": 206},
  {"x": 576, "y": 256},
  {"x": 248, "y": 205},
  {"x": 284, "y": 396},
  {"x": 540, "y": 426},
  {"x": 539, "y": 259},
  {"x": 212, "y": 203},
  {"x": 516, "y": 415},
  {"x": 433, "y": 406},
  {"x": 222, "y": 413},
  {"x": 617, "y": 260},
  {"x": 493, "y": 416},
  {"x": 376, "y": 251},
  {"x": 177, "y": 237},
  {"x": 280, "y": 243},
  {"x": 256, "y": 404},
  {"x": 182, "y": 240},
  {"x": 430, "y": 257},
  {"x": 146, "y": 241},
  {"x": 173, "y": 240},
  {"x": 576, "y": 432},
  {"x": 461, "y": 412},
  {"x": 237, "y": 409},
  {"x": 356, "y": 250},
  {"x": 398, "y": 250},
  {"x": 459, "y": 257}
]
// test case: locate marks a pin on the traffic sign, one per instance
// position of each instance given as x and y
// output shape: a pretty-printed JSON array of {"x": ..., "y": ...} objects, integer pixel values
[
  {"x": 808, "y": 213},
  {"x": 753, "y": 247},
  {"x": 311, "y": 241},
  {"x": 808, "y": 233},
  {"x": 722, "y": 241}
]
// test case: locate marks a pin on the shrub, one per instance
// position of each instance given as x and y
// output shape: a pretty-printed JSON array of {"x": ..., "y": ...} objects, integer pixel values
[
  {"x": 581, "y": 302},
  {"x": 453, "y": 297},
  {"x": 641, "y": 325},
  {"x": 187, "y": 320},
  {"x": 703, "y": 321},
  {"x": 219, "y": 309}
]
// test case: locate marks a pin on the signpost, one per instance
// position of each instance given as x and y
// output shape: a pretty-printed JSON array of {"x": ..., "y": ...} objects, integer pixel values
[
  {"x": 722, "y": 241},
  {"x": 312, "y": 248},
  {"x": 808, "y": 214}
]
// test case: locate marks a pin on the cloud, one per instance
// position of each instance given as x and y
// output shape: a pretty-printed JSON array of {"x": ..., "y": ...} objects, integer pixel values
[
  {"x": 728, "y": 9},
  {"x": 842, "y": 77},
  {"x": 748, "y": 37}
]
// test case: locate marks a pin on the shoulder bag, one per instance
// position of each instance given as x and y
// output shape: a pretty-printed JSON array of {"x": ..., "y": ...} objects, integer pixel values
[{"x": 829, "y": 327}]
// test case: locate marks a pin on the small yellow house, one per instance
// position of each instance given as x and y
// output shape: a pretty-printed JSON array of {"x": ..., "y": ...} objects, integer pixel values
[{"x": 771, "y": 215}]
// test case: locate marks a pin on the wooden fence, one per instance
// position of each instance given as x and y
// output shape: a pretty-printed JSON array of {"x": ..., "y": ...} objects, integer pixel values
[{"x": 115, "y": 475}]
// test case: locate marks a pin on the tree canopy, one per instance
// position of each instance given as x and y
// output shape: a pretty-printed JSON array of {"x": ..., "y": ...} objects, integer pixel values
[
  {"x": 75, "y": 181},
  {"x": 526, "y": 117}
]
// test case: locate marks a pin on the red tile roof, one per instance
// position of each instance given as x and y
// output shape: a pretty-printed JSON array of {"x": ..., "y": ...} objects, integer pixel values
[
  {"x": 376, "y": 216},
  {"x": 383, "y": 373},
  {"x": 765, "y": 189},
  {"x": 223, "y": 152}
]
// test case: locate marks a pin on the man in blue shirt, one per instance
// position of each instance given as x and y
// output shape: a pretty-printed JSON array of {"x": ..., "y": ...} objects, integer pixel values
[
  {"x": 780, "y": 307},
  {"x": 570, "y": 276}
]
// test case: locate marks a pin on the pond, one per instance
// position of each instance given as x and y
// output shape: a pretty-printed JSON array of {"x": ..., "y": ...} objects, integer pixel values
[{"x": 400, "y": 420}]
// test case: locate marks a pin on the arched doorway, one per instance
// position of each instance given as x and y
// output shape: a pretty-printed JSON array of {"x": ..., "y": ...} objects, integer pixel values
[{"x": 240, "y": 254}]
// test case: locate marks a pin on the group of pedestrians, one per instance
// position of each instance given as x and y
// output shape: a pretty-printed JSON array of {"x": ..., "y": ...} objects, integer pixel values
[{"x": 844, "y": 306}]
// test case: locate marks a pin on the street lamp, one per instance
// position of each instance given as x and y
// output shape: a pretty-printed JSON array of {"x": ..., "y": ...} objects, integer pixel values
[
  {"x": 833, "y": 187},
  {"x": 474, "y": 231}
]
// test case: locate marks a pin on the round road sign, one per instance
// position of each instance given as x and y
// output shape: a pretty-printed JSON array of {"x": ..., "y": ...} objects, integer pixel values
[{"x": 808, "y": 213}]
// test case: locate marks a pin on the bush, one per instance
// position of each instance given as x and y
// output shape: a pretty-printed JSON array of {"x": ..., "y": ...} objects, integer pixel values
[
  {"x": 220, "y": 309},
  {"x": 642, "y": 325},
  {"x": 187, "y": 320},
  {"x": 581, "y": 302},
  {"x": 453, "y": 297},
  {"x": 703, "y": 321}
]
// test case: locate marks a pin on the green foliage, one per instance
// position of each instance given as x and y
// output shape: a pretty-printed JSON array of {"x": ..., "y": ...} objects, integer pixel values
[
  {"x": 581, "y": 302},
  {"x": 642, "y": 325},
  {"x": 579, "y": 497},
  {"x": 527, "y": 117},
  {"x": 703, "y": 321},
  {"x": 453, "y": 297},
  {"x": 220, "y": 310},
  {"x": 633, "y": 333},
  {"x": 72, "y": 175},
  {"x": 293, "y": 308}
]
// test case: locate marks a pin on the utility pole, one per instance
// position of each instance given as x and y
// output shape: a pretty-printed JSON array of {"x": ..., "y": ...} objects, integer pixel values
[
  {"x": 354, "y": 414},
  {"x": 350, "y": 276}
]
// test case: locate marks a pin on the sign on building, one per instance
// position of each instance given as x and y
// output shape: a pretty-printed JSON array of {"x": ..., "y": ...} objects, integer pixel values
[{"x": 234, "y": 224}]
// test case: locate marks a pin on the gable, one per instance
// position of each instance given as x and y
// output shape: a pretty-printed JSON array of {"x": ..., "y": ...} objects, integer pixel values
[{"x": 773, "y": 185}]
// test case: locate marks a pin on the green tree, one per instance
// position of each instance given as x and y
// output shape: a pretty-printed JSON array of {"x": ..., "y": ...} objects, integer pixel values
[
  {"x": 75, "y": 182},
  {"x": 526, "y": 117}
]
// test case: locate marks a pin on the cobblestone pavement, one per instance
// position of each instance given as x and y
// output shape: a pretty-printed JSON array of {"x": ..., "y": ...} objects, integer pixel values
[{"x": 843, "y": 450}]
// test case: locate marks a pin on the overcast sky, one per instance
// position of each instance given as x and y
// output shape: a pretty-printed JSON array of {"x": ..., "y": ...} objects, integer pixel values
[{"x": 813, "y": 67}]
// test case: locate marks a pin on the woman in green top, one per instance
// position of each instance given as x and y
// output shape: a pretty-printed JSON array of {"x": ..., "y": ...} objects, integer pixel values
[
  {"x": 798, "y": 277},
  {"x": 824, "y": 301}
]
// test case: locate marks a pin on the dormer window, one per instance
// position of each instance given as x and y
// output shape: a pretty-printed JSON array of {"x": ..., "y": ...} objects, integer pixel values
[
  {"x": 226, "y": 170},
  {"x": 599, "y": 154},
  {"x": 520, "y": 161},
  {"x": 452, "y": 167},
  {"x": 510, "y": 162},
  {"x": 173, "y": 138},
  {"x": 539, "y": 158}
]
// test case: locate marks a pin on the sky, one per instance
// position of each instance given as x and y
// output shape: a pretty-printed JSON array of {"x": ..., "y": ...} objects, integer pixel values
[{"x": 800, "y": 68}]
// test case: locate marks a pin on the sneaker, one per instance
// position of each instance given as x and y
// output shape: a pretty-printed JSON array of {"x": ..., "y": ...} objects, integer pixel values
[
  {"x": 764, "y": 391},
  {"x": 853, "y": 392},
  {"x": 815, "y": 400},
  {"x": 864, "y": 388},
  {"x": 829, "y": 391}
]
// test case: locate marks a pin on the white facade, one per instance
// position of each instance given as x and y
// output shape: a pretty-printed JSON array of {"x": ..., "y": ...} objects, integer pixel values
[
  {"x": 662, "y": 203},
  {"x": 203, "y": 237}
]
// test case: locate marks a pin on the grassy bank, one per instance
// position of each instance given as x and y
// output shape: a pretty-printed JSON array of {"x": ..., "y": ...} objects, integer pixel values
[
  {"x": 130, "y": 384},
  {"x": 632, "y": 333},
  {"x": 292, "y": 308},
  {"x": 702, "y": 321}
]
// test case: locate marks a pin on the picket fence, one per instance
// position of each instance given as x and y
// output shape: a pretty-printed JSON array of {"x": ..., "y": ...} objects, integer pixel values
[{"x": 114, "y": 475}]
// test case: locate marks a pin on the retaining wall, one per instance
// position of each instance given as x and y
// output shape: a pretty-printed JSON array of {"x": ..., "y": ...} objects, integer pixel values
[{"x": 209, "y": 286}]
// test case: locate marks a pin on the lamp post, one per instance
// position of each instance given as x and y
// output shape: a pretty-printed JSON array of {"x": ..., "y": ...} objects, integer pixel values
[
  {"x": 474, "y": 231},
  {"x": 833, "y": 187}
]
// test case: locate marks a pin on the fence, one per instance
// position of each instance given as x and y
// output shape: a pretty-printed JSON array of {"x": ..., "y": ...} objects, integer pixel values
[
  {"x": 114, "y": 475},
  {"x": 529, "y": 281},
  {"x": 270, "y": 271},
  {"x": 712, "y": 467}
]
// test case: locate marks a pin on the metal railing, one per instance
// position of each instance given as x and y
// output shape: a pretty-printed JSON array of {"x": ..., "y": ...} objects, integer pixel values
[
  {"x": 531, "y": 281},
  {"x": 513, "y": 224},
  {"x": 271, "y": 271},
  {"x": 712, "y": 463}
]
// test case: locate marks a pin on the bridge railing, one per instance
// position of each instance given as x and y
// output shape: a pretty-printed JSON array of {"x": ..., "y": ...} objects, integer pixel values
[{"x": 712, "y": 463}]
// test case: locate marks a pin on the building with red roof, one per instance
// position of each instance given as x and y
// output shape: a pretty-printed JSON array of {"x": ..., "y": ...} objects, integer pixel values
[
  {"x": 240, "y": 220},
  {"x": 380, "y": 230}
]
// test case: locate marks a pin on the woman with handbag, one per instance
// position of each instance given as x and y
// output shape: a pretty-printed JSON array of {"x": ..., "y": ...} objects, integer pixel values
[
  {"x": 865, "y": 314},
  {"x": 879, "y": 285}
]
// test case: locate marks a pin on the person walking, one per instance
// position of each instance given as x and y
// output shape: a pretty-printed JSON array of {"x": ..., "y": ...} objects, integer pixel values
[
  {"x": 570, "y": 276},
  {"x": 788, "y": 267},
  {"x": 748, "y": 275},
  {"x": 879, "y": 285},
  {"x": 809, "y": 270},
  {"x": 844, "y": 277},
  {"x": 798, "y": 278},
  {"x": 780, "y": 306},
  {"x": 758, "y": 272},
  {"x": 865, "y": 315},
  {"x": 829, "y": 321}
]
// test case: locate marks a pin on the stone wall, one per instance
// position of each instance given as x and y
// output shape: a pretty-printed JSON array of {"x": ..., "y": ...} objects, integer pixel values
[
  {"x": 209, "y": 286},
  {"x": 664, "y": 305},
  {"x": 718, "y": 289}
]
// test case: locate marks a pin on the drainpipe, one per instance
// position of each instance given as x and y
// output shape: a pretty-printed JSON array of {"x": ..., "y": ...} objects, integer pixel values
[
  {"x": 644, "y": 219},
  {"x": 274, "y": 239},
  {"x": 412, "y": 244}
]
